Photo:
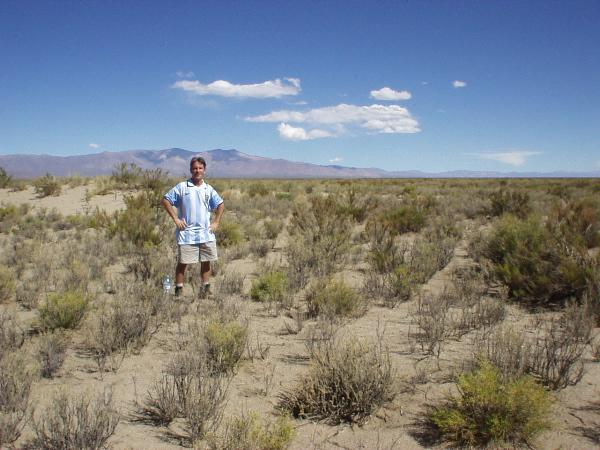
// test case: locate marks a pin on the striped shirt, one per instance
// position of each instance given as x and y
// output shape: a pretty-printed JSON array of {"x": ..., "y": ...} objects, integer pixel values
[{"x": 194, "y": 204}]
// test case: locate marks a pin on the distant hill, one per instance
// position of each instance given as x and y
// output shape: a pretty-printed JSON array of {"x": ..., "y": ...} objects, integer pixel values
[{"x": 223, "y": 164}]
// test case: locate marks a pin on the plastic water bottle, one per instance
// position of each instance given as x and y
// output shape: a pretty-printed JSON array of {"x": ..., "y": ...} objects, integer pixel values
[{"x": 167, "y": 285}]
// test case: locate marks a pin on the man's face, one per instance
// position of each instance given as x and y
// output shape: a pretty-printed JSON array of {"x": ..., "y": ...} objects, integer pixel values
[{"x": 197, "y": 171}]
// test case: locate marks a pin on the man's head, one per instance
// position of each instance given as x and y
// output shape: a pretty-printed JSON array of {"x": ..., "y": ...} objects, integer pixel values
[
  {"x": 199, "y": 159},
  {"x": 197, "y": 168}
]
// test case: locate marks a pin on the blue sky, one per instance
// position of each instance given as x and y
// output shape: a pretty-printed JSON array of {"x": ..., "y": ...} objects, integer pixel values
[{"x": 399, "y": 85}]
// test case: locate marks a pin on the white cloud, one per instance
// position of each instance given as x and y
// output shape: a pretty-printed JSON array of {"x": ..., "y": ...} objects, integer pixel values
[
  {"x": 92, "y": 145},
  {"x": 375, "y": 118},
  {"x": 459, "y": 84},
  {"x": 183, "y": 74},
  {"x": 268, "y": 89},
  {"x": 512, "y": 157},
  {"x": 390, "y": 94},
  {"x": 337, "y": 159},
  {"x": 290, "y": 133}
]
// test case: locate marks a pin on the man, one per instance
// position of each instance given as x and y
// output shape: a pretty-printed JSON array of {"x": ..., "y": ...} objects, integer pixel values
[{"x": 189, "y": 204}]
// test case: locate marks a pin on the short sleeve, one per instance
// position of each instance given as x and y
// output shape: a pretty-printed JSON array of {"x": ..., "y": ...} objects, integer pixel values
[
  {"x": 215, "y": 200},
  {"x": 173, "y": 196}
]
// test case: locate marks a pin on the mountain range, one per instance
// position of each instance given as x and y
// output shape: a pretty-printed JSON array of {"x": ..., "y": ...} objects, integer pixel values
[{"x": 226, "y": 164}]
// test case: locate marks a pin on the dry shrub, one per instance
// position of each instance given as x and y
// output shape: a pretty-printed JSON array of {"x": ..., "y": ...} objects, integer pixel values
[
  {"x": 7, "y": 283},
  {"x": 46, "y": 186},
  {"x": 272, "y": 228},
  {"x": 320, "y": 233},
  {"x": 128, "y": 322},
  {"x": 75, "y": 422},
  {"x": 51, "y": 353},
  {"x": 15, "y": 383},
  {"x": 62, "y": 310},
  {"x": 250, "y": 432},
  {"x": 506, "y": 201},
  {"x": 557, "y": 359},
  {"x": 334, "y": 299},
  {"x": 579, "y": 220},
  {"x": 230, "y": 283},
  {"x": 471, "y": 310},
  {"x": 395, "y": 269},
  {"x": 433, "y": 320},
  {"x": 12, "y": 336},
  {"x": 346, "y": 382},
  {"x": 189, "y": 388},
  {"x": 490, "y": 409},
  {"x": 554, "y": 355}
]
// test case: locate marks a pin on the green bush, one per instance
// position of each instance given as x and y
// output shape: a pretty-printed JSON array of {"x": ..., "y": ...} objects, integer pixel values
[
  {"x": 270, "y": 287},
  {"x": 127, "y": 175},
  {"x": 5, "y": 178},
  {"x": 252, "y": 433},
  {"x": 138, "y": 223},
  {"x": 404, "y": 219},
  {"x": 62, "y": 310},
  {"x": 513, "y": 202},
  {"x": 225, "y": 343},
  {"x": 229, "y": 234},
  {"x": 47, "y": 186},
  {"x": 537, "y": 265},
  {"x": 347, "y": 381},
  {"x": 489, "y": 409},
  {"x": 333, "y": 298}
]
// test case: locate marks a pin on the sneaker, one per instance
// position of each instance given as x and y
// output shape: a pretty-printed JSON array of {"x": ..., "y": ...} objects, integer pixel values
[
  {"x": 204, "y": 291},
  {"x": 178, "y": 291}
]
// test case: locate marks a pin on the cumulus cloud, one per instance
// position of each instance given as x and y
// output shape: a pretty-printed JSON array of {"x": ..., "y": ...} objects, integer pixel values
[
  {"x": 512, "y": 157},
  {"x": 459, "y": 84},
  {"x": 268, "y": 89},
  {"x": 290, "y": 133},
  {"x": 374, "y": 118},
  {"x": 390, "y": 94},
  {"x": 92, "y": 145}
]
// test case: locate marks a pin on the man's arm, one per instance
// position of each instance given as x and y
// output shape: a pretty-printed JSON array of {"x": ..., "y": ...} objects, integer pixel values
[
  {"x": 217, "y": 218},
  {"x": 179, "y": 223}
]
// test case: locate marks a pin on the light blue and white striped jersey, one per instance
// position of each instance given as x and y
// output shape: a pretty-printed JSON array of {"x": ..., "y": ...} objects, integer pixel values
[{"x": 194, "y": 204}]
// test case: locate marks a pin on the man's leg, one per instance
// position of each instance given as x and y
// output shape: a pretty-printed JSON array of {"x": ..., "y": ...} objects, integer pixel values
[
  {"x": 205, "y": 271},
  {"x": 180, "y": 273}
]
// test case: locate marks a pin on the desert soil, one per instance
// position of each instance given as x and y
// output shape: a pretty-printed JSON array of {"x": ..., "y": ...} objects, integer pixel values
[{"x": 258, "y": 382}]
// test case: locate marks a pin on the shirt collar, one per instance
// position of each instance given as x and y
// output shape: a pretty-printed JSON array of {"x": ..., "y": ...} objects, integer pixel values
[{"x": 190, "y": 183}]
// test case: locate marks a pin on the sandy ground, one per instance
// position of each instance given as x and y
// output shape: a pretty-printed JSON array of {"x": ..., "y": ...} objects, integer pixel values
[{"x": 258, "y": 382}]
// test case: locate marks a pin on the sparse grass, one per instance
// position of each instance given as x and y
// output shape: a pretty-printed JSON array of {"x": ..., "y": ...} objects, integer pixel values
[
  {"x": 347, "y": 381},
  {"x": 491, "y": 410}
]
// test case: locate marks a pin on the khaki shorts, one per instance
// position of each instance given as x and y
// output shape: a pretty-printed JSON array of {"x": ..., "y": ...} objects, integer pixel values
[{"x": 192, "y": 253}]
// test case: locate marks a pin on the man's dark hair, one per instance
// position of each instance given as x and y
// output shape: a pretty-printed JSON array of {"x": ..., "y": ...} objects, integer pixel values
[{"x": 199, "y": 159}]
